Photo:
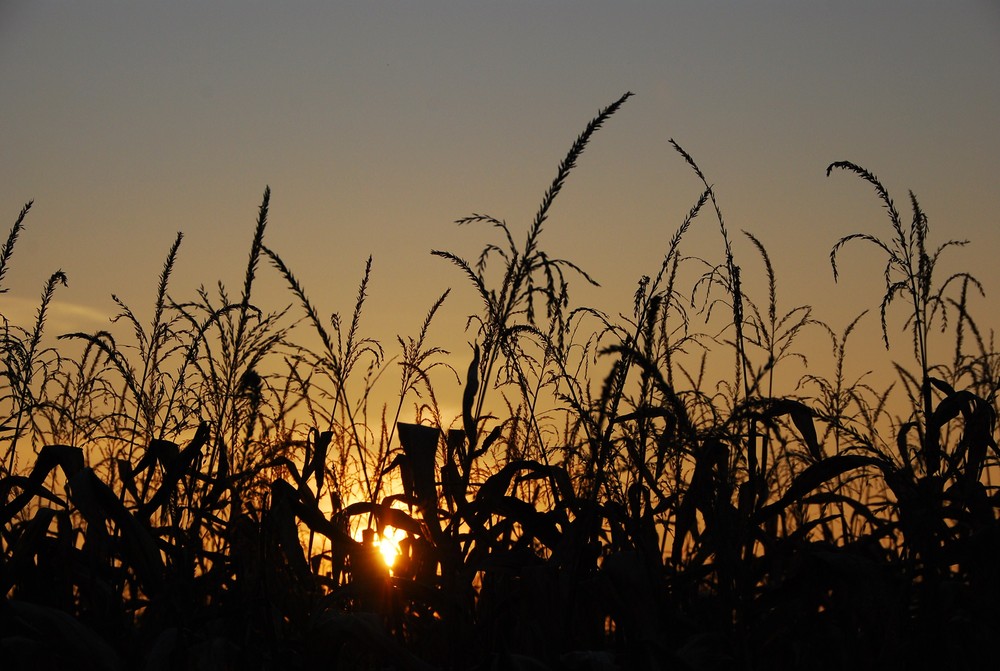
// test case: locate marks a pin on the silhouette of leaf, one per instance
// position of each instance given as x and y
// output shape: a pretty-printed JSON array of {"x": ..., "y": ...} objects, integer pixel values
[
  {"x": 469, "y": 400},
  {"x": 818, "y": 474}
]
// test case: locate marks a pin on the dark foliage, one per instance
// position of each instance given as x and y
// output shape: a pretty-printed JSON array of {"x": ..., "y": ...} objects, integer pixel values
[{"x": 215, "y": 494}]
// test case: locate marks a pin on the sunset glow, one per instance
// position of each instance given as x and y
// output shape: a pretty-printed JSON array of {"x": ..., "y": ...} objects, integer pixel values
[
  {"x": 388, "y": 545},
  {"x": 520, "y": 334}
]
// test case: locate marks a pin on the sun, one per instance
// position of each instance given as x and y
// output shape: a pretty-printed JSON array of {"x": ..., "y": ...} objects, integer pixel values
[{"x": 388, "y": 545}]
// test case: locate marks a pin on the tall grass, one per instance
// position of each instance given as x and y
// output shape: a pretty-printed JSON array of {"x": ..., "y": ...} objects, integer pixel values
[{"x": 205, "y": 490}]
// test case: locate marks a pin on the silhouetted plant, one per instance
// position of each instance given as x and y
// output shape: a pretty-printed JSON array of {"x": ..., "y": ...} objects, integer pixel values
[{"x": 210, "y": 492}]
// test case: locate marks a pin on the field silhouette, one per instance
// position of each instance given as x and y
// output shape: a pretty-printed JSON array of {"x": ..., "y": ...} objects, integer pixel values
[{"x": 211, "y": 488}]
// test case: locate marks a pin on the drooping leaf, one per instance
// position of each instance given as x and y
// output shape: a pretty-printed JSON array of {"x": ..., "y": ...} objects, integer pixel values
[
  {"x": 175, "y": 470},
  {"x": 420, "y": 447},
  {"x": 818, "y": 474},
  {"x": 469, "y": 400},
  {"x": 100, "y": 505},
  {"x": 50, "y": 457},
  {"x": 802, "y": 417}
]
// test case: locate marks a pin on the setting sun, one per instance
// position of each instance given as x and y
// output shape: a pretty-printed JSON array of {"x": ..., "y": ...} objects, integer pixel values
[
  {"x": 479, "y": 335},
  {"x": 388, "y": 545}
]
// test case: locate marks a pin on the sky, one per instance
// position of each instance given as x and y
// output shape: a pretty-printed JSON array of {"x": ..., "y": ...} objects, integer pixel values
[{"x": 378, "y": 124}]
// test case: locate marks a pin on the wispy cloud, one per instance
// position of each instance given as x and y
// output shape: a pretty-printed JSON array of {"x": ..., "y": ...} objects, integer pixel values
[{"x": 63, "y": 317}]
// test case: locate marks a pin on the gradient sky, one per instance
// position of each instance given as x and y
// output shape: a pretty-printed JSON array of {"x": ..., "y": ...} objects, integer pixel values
[{"x": 378, "y": 124}]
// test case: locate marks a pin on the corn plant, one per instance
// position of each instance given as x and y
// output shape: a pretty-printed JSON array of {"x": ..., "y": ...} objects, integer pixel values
[{"x": 216, "y": 487}]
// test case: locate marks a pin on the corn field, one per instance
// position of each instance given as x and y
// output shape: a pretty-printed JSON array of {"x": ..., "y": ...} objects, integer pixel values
[{"x": 215, "y": 486}]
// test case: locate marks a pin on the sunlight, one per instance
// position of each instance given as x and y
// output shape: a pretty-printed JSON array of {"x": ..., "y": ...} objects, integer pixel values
[{"x": 388, "y": 545}]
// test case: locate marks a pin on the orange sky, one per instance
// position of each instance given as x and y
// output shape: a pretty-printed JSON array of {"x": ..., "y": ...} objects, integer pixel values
[{"x": 378, "y": 124}]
